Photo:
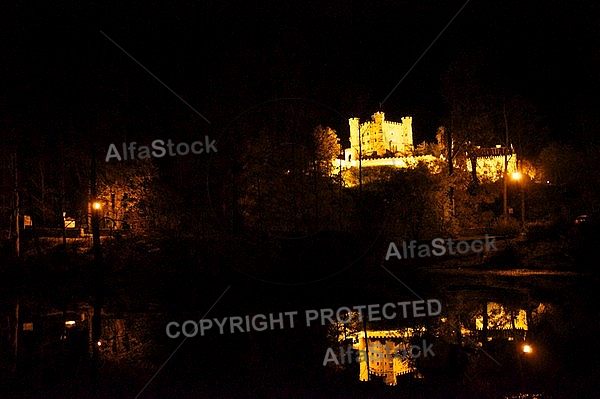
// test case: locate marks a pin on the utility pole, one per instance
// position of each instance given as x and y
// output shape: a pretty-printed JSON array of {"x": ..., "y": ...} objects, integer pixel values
[
  {"x": 95, "y": 213},
  {"x": 450, "y": 165},
  {"x": 505, "y": 179},
  {"x": 359, "y": 162},
  {"x": 62, "y": 191},
  {"x": 523, "y": 204},
  {"x": 484, "y": 329},
  {"x": 14, "y": 337},
  {"x": 341, "y": 177},
  {"x": 16, "y": 209},
  {"x": 449, "y": 140},
  {"x": 367, "y": 349},
  {"x": 522, "y": 194},
  {"x": 97, "y": 271}
]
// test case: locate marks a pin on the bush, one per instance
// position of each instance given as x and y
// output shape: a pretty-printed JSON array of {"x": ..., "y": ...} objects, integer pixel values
[{"x": 510, "y": 227}]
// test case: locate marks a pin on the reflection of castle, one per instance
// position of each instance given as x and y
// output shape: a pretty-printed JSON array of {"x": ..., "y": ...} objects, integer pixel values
[
  {"x": 379, "y": 142},
  {"x": 491, "y": 322},
  {"x": 382, "y": 361},
  {"x": 383, "y": 353}
]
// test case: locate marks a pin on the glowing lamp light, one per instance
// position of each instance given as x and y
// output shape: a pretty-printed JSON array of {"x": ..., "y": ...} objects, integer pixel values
[
  {"x": 516, "y": 176},
  {"x": 527, "y": 349},
  {"x": 97, "y": 205},
  {"x": 99, "y": 343},
  {"x": 69, "y": 323}
]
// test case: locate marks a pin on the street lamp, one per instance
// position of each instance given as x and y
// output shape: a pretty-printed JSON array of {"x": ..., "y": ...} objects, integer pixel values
[
  {"x": 93, "y": 210},
  {"x": 526, "y": 351},
  {"x": 518, "y": 176}
]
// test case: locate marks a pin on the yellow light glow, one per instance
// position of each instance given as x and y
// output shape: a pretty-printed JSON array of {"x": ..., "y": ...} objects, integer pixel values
[
  {"x": 500, "y": 319},
  {"x": 527, "y": 349},
  {"x": 69, "y": 323},
  {"x": 517, "y": 175},
  {"x": 99, "y": 343},
  {"x": 97, "y": 205}
]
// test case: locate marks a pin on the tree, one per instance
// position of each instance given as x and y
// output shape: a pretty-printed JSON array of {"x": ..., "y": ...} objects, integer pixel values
[
  {"x": 325, "y": 148},
  {"x": 426, "y": 148},
  {"x": 475, "y": 107},
  {"x": 128, "y": 191},
  {"x": 527, "y": 128}
]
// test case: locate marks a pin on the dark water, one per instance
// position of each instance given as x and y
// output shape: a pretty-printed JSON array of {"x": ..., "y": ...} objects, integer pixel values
[{"x": 478, "y": 338}]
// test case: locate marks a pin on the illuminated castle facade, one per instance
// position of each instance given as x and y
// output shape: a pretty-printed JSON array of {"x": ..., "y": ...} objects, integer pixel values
[
  {"x": 380, "y": 137},
  {"x": 379, "y": 142}
]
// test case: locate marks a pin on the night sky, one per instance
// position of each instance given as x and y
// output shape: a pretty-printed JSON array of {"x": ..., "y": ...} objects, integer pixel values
[{"x": 59, "y": 72}]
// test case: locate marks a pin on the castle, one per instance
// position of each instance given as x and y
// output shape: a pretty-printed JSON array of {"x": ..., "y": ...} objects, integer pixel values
[
  {"x": 379, "y": 142},
  {"x": 380, "y": 137}
]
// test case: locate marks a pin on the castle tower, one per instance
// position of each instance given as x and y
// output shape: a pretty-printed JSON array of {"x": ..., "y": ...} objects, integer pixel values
[
  {"x": 407, "y": 136},
  {"x": 354, "y": 145}
]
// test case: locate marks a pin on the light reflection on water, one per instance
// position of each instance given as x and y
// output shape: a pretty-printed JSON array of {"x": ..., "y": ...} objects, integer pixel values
[
  {"x": 478, "y": 339},
  {"x": 499, "y": 323}
]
